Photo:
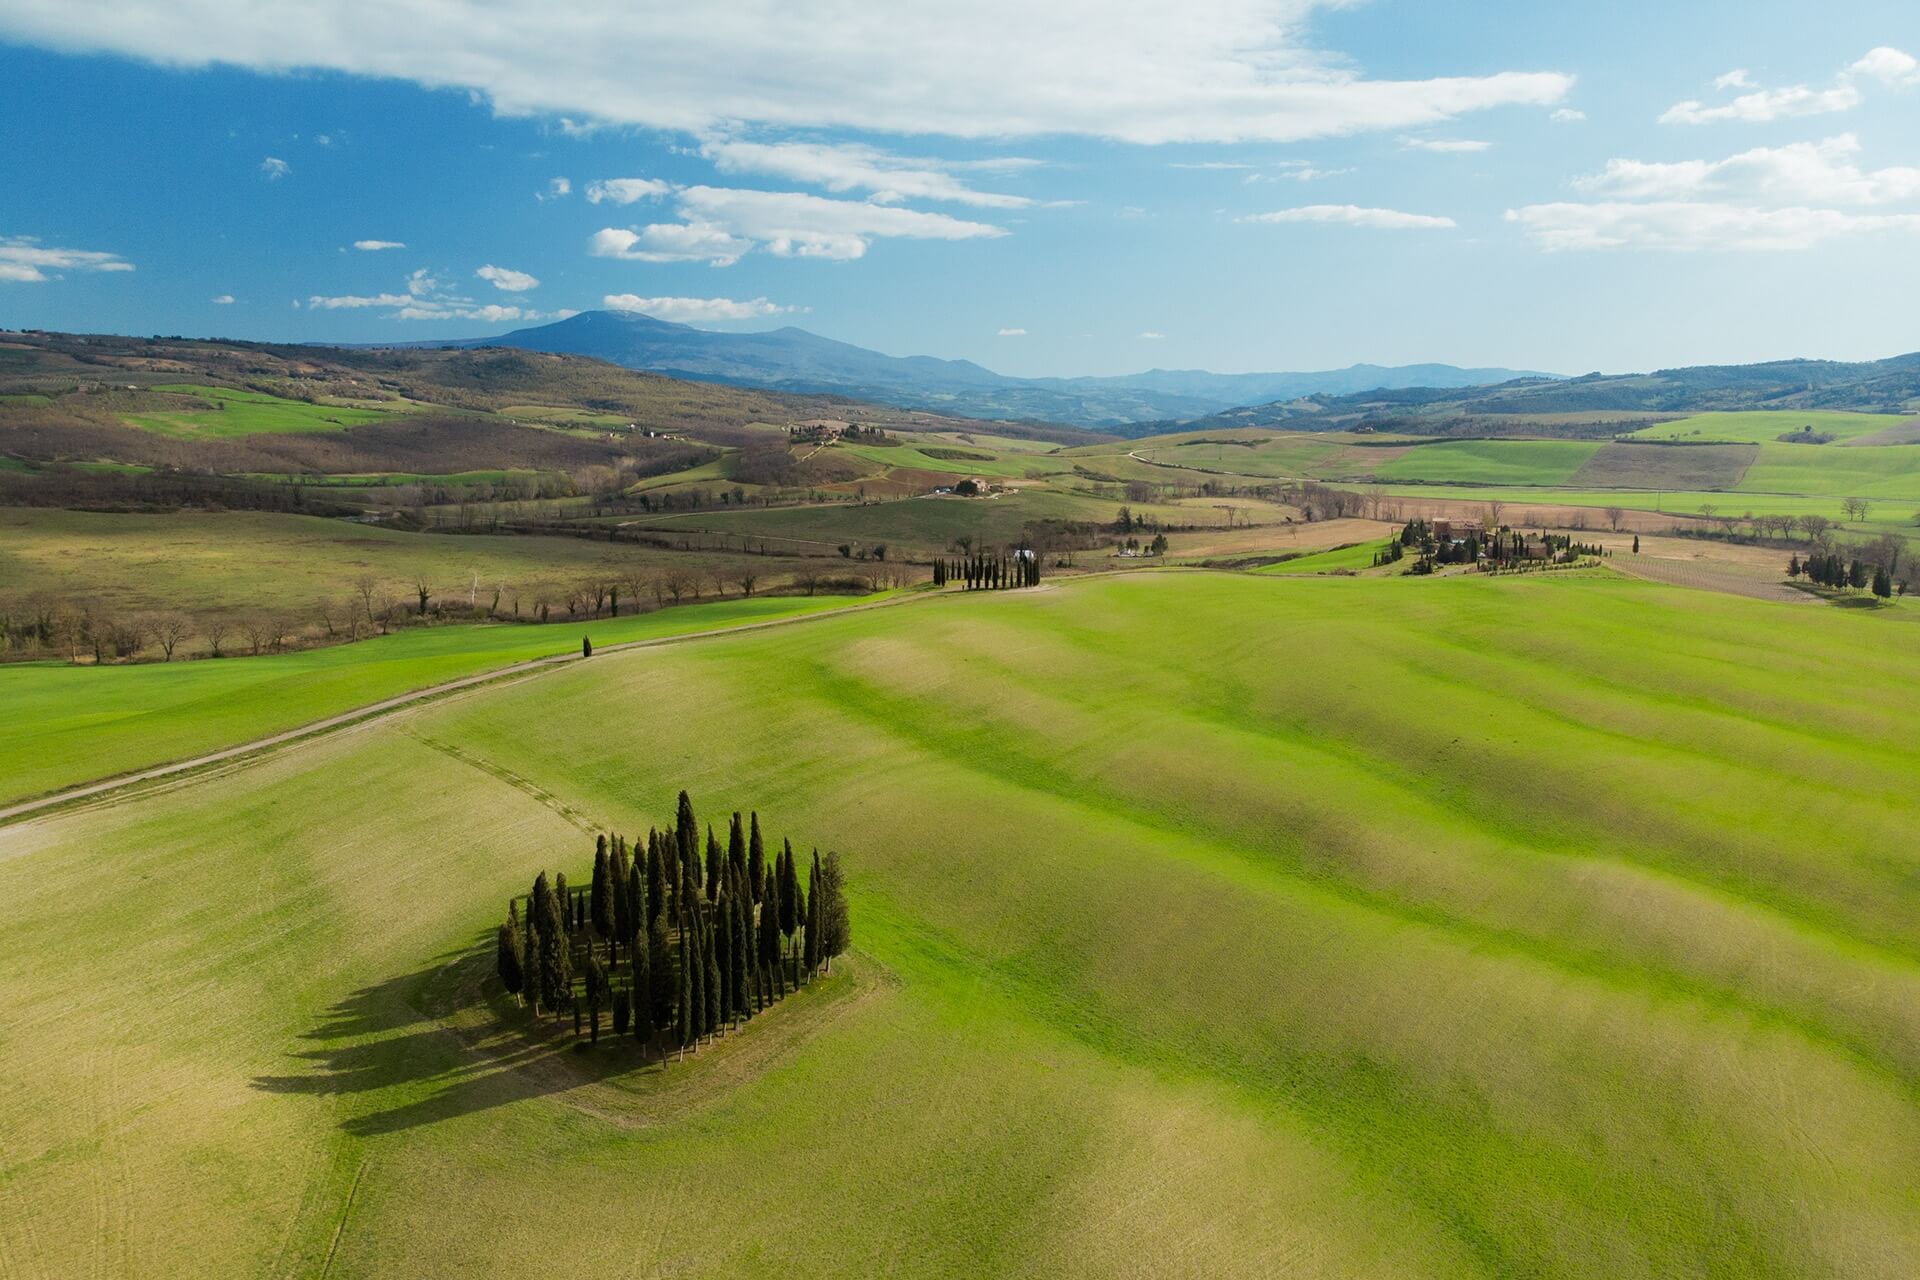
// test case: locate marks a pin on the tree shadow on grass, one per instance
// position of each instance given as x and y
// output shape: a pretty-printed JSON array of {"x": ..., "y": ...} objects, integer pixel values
[{"x": 445, "y": 1043}]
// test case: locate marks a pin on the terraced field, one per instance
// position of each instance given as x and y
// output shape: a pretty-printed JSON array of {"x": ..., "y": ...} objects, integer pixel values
[{"x": 1464, "y": 928}]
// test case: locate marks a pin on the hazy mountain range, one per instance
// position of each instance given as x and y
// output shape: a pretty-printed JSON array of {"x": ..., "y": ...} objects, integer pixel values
[{"x": 794, "y": 360}]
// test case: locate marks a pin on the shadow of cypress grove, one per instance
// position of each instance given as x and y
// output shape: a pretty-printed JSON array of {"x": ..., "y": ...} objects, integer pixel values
[{"x": 399, "y": 1036}]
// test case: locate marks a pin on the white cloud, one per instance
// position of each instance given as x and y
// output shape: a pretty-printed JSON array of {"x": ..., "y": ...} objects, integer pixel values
[
  {"x": 556, "y": 189},
  {"x": 626, "y": 190},
  {"x": 24, "y": 260},
  {"x": 670, "y": 242},
  {"x": 1354, "y": 215},
  {"x": 1891, "y": 66},
  {"x": 721, "y": 224},
  {"x": 1151, "y": 336},
  {"x": 427, "y": 298},
  {"x": 1138, "y": 70},
  {"x": 356, "y": 301},
  {"x": 1800, "y": 173},
  {"x": 275, "y": 168},
  {"x": 1567, "y": 115},
  {"x": 223, "y": 300},
  {"x": 1695, "y": 225},
  {"x": 1012, "y": 333},
  {"x": 695, "y": 310},
  {"x": 1767, "y": 105},
  {"x": 375, "y": 246},
  {"x": 856, "y": 167},
  {"x": 503, "y": 278},
  {"x": 1760, "y": 106},
  {"x": 1445, "y": 146}
]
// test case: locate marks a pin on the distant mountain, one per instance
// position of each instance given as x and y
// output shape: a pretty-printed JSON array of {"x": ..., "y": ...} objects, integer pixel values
[
  {"x": 794, "y": 360},
  {"x": 1874, "y": 386}
]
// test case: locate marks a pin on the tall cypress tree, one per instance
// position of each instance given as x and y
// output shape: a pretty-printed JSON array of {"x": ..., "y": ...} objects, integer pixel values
[
  {"x": 736, "y": 850},
  {"x": 711, "y": 984},
  {"x": 556, "y": 957},
  {"x": 741, "y": 958},
  {"x": 770, "y": 937},
  {"x": 635, "y": 899},
  {"x": 756, "y": 861},
  {"x": 683, "y": 991},
  {"x": 687, "y": 841},
  {"x": 713, "y": 867},
  {"x": 661, "y": 978},
  {"x": 693, "y": 944},
  {"x": 789, "y": 895},
  {"x": 812, "y": 952},
  {"x": 617, "y": 869},
  {"x": 507, "y": 957},
  {"x": 564, "y": 901},
  {"x": 656, "y": 880},
  {"x": 596, "y": 993},
  {"x": 836, "y": 930},
  {"x": 602, "y": 892}
]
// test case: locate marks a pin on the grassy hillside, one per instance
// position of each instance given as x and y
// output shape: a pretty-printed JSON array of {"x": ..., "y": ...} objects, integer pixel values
[
  {"x": 1434, "y": 955},
  {"x": 79, "y": 723},
  {"x": 1767, "y": 427}
]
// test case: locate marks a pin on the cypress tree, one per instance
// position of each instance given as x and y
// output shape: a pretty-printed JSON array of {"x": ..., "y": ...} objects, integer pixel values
[
  {"x": 713, "y": 867},
  {"x": 770, "y": 937},
  {"x": 836, "y": 930},
  {"x": 507, "y": 959},
  {"x": 602, "y": 891},
  {"x": 693, "y": 947},
  {"x": 596, "y": 994},
  {"x": 736, "y": 850},
  {"x": 563, "y": 901},
  {"x": 620, "y": 1011},
  {"x": 684, "y": 991},
  {"x": 756, "y": 861},
  {"x": 811, "y": 954},
  {"x": 789, "y": 898},
  {"x": 635, "y": 899},
  {"x": 662, "y": 981},
  {"x": 656, "y": 880},
  {"x": 556, "y": 958},
  {"x": 713, "y": 984},
  {"x": 617, "y": 872},
  {"x": 742, "y": 958},
  {"x": 687, "y": 841},
  {"x": 723, "y": 957}
]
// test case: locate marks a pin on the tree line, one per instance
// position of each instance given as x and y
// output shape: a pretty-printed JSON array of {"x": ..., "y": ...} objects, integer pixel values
[
  {"x": 986, "y": 571},
  {"x": 1831, "y": 569},
  {"x": 678, "y": 944}
]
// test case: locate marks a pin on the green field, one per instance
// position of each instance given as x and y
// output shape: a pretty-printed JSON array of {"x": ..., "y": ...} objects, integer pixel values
[
  {"x": 1347, "y": 559},
  {"x": 1767, "y": 427},
  {"x": 247, "y": 413},
  {"x": 1337, "y": 932},
  {"x": 75, "y": 723},
  {"x": 1540, "y": 462}
]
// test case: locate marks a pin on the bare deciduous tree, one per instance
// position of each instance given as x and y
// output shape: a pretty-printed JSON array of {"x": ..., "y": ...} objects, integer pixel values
[
  {"x": 169, "y": 629},
  {"x": 1614, "y": 516},
  {"x": 216, "y": 633}
]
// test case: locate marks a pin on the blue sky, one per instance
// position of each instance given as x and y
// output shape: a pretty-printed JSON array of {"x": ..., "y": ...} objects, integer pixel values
[{"x": 1099, "y": 188}]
